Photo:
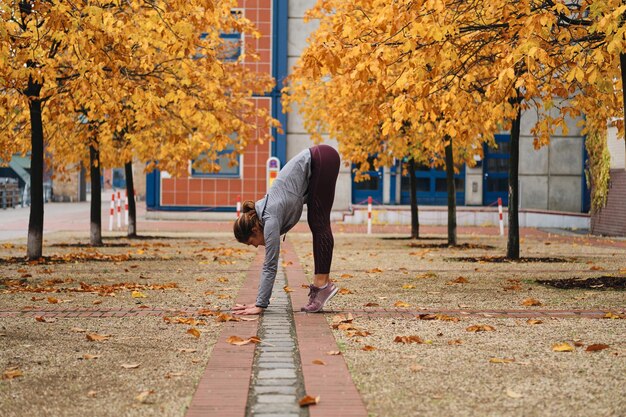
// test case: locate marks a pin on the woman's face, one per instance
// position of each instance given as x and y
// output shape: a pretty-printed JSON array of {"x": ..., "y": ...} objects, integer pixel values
[{"x": 256, "y": 239}]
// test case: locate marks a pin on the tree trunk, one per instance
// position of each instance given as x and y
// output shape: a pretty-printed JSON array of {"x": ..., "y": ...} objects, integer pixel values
[
  {"x": 451, "y": 193},
  {"x": 622, "y": 64},
  {"x": 415, "y": 223},
  {"x": 513, "y": 249},
  {"x": 35, "y": 221},
  {"x": 130, "y": 192},
  {"x": 95, "y": 235}
]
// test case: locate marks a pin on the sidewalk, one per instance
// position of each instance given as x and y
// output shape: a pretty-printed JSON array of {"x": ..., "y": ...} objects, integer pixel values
[{"x": 147, "y": 299}]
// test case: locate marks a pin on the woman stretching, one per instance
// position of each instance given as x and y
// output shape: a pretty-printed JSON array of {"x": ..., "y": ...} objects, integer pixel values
[{"x": 309, "y": 178}]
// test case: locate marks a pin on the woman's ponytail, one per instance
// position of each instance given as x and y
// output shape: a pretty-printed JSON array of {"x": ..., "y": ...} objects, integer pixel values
[{"x": 246, "y": 222}]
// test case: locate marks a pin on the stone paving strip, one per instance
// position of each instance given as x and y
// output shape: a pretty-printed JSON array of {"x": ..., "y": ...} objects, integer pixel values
[
  {"x": 330, "y": 381},
  {"x": 277, "y": 379}
]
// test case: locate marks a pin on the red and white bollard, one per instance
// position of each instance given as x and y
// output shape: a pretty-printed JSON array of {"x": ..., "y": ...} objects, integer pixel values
[
  {"x": 119, "y": 210},
  {"x": 126, "y": 208},
  {"x": 369, "y": 215},
  {"x": 238, "y": 206},
  {"x": 500, "y": 214},
  {"x": 112, "y": 211}
]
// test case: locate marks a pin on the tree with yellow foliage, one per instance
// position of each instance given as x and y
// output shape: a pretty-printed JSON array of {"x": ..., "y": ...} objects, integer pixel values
[
  {"x": 455, "y": 70},
  {"x": 137, "y": 68}
]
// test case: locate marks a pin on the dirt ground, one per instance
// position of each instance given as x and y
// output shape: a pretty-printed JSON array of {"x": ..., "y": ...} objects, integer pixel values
[
  {"x": 509, "y": 371},
  {"x": 146, "y": 366}
]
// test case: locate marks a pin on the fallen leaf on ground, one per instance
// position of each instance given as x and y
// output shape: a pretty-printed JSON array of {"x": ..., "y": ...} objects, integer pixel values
[
  {"x": 209, "y": 292},
  {"x": 563, "y": 347},
  {"x": 238, "y": 341},
  {"x": 416, "y": 368},
  {"x": 12, "y": 373},
  {"x": 596, "y": 268},
  {"x": 596, "y": 347},
  {"x": 77, "y": 330},
  {"x": 287, "y": 289},
  {"x": 138, "y": 294},
  {"x": 480, "y": 328},
  {"x": 534, "y": 321},
  {"x": 318, "y": 362},
  {"x": 459, "y": 280},
  {"x": 143, "y": 396},
  {"x": 340, "y": 318},
  {"x": 529, "y": 302},
  {"x": 91, "y": 394},
  {"x": 371, "y": 305},
  {"x": 426, "y": 275},
  {"x": 206, "y": 312},
  {"x": 611, "y": 315},
  {"x": 408, "y": 339},
  {"x": 194, "y": 332},
  {"x": 95, "y": 337},
  {"x": 223, "y": 296},
  {"x": 90, "y": 356},
  {"x": 501, "y": 360},
  {"x": 97, "y": 302},
  {"x": 187, "y": 350},
  {"x": 345, "y": 291},
  {"x": 53, "y": 300},
  {"x": 37, "y": 298},
  {"x": 222, "y": 279},
  {"x": 401, "y": 304},
  {"x": 346, "y": 276},
  {"x": 369, "y": 348},
  {"x": 173, "y": 374},
  {"x": 455, "y": 342},
  {"x": 130, "y": 365},
  {"x": 307, "y": 400},
  {"x": 374, "y": 270},
  {"x": 408, "y": 286},
  {"x": 333, "y": 353},
  {"x": 43, "y": 319},
  {"x": 223, "y": 317},
  {"x": 513, "y": 394}
]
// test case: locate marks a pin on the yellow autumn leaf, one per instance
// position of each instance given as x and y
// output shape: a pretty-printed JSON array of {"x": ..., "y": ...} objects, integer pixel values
[
  {"x": 401, "y": 304},
  {"x": 138, "y": 294},
  {"x": 194, "y": 332},
  {"x": 563, "y": 347}
]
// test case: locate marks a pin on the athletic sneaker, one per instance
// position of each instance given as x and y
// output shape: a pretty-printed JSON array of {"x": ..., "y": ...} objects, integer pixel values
[{"x": 318, "y": 297}]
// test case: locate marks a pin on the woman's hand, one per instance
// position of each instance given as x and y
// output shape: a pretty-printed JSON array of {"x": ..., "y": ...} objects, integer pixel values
[{"x": 247, "y": 310}]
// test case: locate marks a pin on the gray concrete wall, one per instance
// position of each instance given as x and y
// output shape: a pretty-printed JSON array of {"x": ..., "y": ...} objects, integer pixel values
[
  {"x": 551, "y": 177},
  {"x": 297, "y": 137}
]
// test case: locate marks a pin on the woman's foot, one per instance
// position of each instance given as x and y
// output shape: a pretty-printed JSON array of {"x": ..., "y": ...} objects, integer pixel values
[{"x": 318, "y": 297}]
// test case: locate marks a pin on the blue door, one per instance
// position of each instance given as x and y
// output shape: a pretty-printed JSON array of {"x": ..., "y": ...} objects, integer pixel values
[
  {"x": 496, "y": 171},
  {"x": 373, "y": 187},
  {"x": 432, "y": 188}
]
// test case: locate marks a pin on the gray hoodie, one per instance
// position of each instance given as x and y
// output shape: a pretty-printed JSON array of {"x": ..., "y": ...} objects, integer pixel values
[{"x": 279, "y": 211}]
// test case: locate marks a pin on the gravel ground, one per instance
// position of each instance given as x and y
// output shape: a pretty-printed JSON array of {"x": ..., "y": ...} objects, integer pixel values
[
  {"x": 59, "y": 380},
  {"x": 442, "y": 379},
  {"x": 386, "y": 271},
  {"x": 451, "y": 373}
]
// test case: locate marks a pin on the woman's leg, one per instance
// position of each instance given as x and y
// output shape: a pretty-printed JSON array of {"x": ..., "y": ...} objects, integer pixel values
[{"x": 325, "y": 163}]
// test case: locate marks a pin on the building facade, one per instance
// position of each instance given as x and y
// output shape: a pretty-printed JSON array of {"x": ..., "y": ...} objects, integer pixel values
[{"x": 551, "y": 178}]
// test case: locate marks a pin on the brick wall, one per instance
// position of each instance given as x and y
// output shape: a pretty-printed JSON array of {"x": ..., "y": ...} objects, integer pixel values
[{"x": 611, "y": 220}]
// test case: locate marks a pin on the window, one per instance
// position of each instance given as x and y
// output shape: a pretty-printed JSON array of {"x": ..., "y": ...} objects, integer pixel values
[
  {"x": 232, "y": 46},
  {"x": 228, "y": 167}
]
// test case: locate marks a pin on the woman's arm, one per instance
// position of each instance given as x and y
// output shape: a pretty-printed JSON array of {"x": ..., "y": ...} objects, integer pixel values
[{"x": 271, "y": 232}]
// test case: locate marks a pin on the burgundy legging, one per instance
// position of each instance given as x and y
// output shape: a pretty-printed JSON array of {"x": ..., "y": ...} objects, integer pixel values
[{"x": 324, "y": 172}]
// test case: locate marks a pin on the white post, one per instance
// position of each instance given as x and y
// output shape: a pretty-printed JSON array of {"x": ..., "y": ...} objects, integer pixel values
[
  {"x": 111, "y": 211},
  {"x": 119, "y": 210},
  {"x": 126, "y": 208},
  {"x": 369, "y": 215},
  {"x": 238, "y": 206},
  {"x": 500, "y": 214}
]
